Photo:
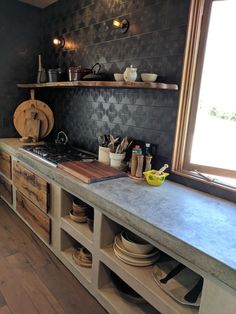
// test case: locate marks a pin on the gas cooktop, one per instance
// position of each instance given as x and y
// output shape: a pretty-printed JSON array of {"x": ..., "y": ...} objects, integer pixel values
[{"x": 55, "y": 154}]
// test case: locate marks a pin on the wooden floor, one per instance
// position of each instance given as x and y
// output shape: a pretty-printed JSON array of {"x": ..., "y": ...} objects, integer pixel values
[{"x": 32, "y": 279}]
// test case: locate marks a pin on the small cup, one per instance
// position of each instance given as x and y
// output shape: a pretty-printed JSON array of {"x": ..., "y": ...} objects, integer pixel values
[{"x": 119, "y": 77}]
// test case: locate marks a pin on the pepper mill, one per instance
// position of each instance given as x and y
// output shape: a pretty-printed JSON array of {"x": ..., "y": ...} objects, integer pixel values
[
  {"x": 139, "y": 171},
  {"x": 148, "y": 160},
  {"x": 133, "y": 164}
]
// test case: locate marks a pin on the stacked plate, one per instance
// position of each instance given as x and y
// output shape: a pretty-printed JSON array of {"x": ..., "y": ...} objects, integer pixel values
[
  {"x": 82, "y": 257},
  {"x": 81, "y": 212},
  {"x": 130, "y": 257}
]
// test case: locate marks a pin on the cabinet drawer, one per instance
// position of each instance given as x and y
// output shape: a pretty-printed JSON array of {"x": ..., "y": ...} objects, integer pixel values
[
  {"x": 5, "y": 164},
  {"x": 32, "y": 186},
  {"x": 38, "y": 220},
  {"x": 5, "y": 189}
]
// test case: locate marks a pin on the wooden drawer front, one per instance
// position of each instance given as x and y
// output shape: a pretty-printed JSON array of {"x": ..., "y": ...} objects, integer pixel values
[
  {"x": 5, "y": 190},
  {"x": 39, "y": 221},
  {"x": 32, "y": 186},
  {"x": 5, "y": 164}
]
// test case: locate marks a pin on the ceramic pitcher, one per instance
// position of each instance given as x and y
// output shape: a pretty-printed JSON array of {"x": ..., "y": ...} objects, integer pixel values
[{"x": 130, "y": 74}]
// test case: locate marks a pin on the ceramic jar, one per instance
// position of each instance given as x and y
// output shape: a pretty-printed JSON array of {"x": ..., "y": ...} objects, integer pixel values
[
  {"x": 116, "y": 159},
  {"x": 103, "y": 155},
  {"x": 130, "y": 74}
]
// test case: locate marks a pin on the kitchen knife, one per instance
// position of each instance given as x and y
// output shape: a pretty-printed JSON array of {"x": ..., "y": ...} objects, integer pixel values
[
  {"x": 172, "y": 273},
  {"x": 193, "y": 294}
]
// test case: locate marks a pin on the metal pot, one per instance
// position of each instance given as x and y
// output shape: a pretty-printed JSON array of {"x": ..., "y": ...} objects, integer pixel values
[{"x": 77, "y": 73}]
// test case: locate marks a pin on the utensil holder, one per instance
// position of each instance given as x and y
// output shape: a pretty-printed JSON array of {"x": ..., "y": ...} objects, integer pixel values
[
  {"x": 104, "y": 155},
  {"x": 116, "y": 159}
]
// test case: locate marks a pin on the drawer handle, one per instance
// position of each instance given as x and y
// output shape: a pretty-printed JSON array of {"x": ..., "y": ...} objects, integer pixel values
[
  {"x": 22, "y": 203},
  {"x": 30, "y": 177}
]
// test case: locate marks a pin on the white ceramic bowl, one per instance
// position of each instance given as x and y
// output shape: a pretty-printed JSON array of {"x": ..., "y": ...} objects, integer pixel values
[
  {"x": 149, "y": 77},
  {"x": 118, "y": 245},
  {"x": 119, "y": 77},
  {"x": 135, "y": 244}
]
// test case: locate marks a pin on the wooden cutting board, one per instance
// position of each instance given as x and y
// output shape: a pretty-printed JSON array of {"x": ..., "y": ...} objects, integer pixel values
[
  {"x": 32, "y": 127},
  {"x": 90, "y": 172}
]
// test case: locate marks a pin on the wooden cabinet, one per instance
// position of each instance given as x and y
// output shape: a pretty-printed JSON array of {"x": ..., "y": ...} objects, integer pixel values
[
  {"x": 5, "y": 189},
  {"x": 38, "y": 220},
  {"x": 5, "y": 164},
  {"x": 30, "y": 185}
]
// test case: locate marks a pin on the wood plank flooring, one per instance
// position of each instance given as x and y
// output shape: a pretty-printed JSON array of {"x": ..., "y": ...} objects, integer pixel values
[{"x": 32, "y": 279}]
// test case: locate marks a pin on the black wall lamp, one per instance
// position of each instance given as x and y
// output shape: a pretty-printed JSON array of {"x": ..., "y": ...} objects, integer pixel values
[
  {"x": 59, "y": 42},
  {"x": 122, "y": 25}
]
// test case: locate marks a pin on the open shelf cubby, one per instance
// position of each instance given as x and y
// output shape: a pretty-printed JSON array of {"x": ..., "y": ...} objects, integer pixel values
[
  {"x": 115, "y": 301},
  {"x": 79, "y": 231},
  {"x": 139, "y": 278},
  {"x": 68, "y": 248}
]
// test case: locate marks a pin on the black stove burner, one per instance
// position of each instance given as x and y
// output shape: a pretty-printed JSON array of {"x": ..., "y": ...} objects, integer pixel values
[{"x": 55, "y": 154}]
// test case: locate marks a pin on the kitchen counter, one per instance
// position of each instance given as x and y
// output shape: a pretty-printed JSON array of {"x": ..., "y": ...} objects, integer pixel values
[{"x": 193, "y": 225}]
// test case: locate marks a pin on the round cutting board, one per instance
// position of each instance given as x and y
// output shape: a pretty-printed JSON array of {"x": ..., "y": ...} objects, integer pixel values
[{"x": 34, "y": 105}]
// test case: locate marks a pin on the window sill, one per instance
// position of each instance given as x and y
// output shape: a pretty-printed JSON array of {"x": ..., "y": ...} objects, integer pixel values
[{"x": 190, "y": 179}]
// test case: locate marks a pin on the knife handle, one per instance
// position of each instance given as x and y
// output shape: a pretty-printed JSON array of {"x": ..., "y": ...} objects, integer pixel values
[
  {"x": 172, "y": 273},
  {"x": 193, "y": 294}
]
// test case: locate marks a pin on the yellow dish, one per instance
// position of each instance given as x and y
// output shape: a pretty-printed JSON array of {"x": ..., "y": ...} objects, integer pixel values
[{"x": 153, "y": 178}]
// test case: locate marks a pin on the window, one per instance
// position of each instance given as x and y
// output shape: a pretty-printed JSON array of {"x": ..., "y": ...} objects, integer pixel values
[{"x": 205, "y": 144}]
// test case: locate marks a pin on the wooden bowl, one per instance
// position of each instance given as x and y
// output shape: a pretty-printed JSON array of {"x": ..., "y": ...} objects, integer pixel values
[
  {"x": 80, "y": 260},
  {"x": 76, "y": 218},
  {"x": 79, "y": 208}
]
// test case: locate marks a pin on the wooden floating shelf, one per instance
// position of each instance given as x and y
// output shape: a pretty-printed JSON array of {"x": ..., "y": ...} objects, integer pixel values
[{"x": 111, "y": 84}]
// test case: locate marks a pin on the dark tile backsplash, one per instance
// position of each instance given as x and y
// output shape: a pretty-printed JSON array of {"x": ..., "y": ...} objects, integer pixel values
[
  {"x": 20, "y": 35},
  {"x": 86, "y": 113},
  {"x": 154, "y": 43}
]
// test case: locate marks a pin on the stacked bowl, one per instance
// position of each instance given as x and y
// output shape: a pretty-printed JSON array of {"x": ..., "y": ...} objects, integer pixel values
[
  {"x": 82, "y": 212},
  {"x": 133, "y": 250},
  {"x": 82, "y": 257}
]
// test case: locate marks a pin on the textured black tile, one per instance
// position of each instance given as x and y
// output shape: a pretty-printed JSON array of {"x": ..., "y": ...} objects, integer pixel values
[{"x": 21, "y": 42}]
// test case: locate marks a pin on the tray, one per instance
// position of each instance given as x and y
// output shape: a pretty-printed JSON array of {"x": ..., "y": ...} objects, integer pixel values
[{"x": 178, "y": 286}]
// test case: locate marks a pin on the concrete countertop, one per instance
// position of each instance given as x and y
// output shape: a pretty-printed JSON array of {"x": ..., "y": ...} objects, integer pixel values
[{"x": 196, "y": 226}]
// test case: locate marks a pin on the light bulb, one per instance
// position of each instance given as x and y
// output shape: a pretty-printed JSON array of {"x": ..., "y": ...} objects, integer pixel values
[
  {"x": 117, "y": 23},
  {"x": 58, "y": 41}
]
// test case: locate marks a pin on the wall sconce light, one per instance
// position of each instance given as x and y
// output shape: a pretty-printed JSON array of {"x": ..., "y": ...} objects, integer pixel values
[
  {"x": 122, "y": 25},
  {"x": 59, "y": 42}
]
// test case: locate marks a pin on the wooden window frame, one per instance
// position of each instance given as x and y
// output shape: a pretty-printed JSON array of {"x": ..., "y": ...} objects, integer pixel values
[{"x": 198, "y": 24}]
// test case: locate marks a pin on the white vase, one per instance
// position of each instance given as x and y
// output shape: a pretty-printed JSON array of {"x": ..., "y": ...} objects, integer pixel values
[
  {"x": 103, "y": 155},
  {"x": 116, "y": 159}
]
